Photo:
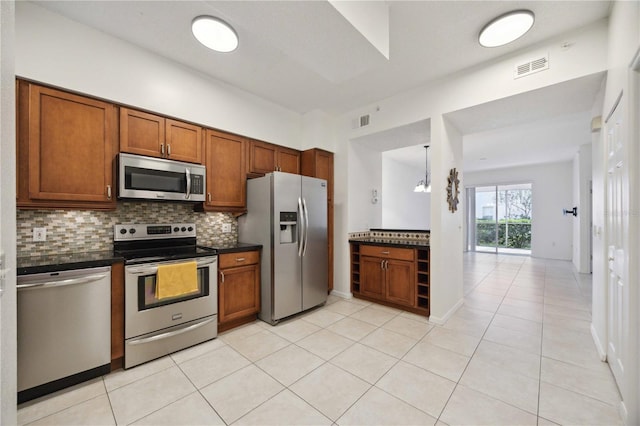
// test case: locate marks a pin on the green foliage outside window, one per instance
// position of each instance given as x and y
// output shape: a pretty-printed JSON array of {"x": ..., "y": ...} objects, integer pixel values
[{"x": 516, "y": 233}]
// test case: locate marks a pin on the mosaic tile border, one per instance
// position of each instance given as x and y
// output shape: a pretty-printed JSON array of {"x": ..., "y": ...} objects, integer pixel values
[{"x": 398, "y": 235}]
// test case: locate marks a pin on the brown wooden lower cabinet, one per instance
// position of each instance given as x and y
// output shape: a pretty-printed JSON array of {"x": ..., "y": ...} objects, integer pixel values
[
  {"x": 238, "y": 288},
  {"x": 393, "y": 276},
  {"x": 117, "y": 315}
]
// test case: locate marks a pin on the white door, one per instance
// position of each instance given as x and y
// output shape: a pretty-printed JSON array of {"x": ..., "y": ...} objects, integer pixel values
[{"x": 617, "y": 242}]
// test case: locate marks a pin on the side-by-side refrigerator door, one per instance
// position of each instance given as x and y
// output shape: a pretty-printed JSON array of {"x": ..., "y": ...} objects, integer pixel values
[
  {"x": 315, "y": 250},
  {"x": 287, "y": 291}
]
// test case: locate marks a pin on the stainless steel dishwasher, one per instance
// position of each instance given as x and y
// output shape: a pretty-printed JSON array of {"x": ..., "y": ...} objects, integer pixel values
[{"x": 64, "y": 329}]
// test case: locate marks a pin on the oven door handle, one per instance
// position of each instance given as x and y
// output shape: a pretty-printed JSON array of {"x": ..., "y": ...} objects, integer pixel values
[
  {"x": 169, "y": 334},
  {"x": 149, "y": 270}
]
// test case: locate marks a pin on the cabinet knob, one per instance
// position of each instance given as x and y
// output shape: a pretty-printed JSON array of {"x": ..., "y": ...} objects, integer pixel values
[
  {"x": 221, "y": 277},
  {"x": 109, "y": 192},
  {"x": 385, "y": 252},
  {"x": 168, "y": 150},
  {"x": 209, "y": 196},
  {"x": 240, "y": 259},
  {"x": 162, "y": 149}
]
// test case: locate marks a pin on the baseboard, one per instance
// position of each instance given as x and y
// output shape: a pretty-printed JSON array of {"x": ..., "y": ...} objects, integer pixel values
[
  {"x": 450, "y": 312},
  {"x": 601, "y": 352},
  {"x": 341, "y": 294}
]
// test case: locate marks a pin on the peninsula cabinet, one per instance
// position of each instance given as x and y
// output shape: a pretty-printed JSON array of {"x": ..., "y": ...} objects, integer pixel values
[
  {"x": 265, "y": 158},
  {"x": 319, "y": 163},
  {"x": 66, "y": 149},
  {"x": 225, "y": 159},
  {"x": 156, "y": 136},
  {"x": 238, "y": 288},
  {"x": 392, "y": 276}
]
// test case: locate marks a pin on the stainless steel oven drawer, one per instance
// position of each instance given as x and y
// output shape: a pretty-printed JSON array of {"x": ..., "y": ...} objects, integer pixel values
[{"x": 154, "y": 345}]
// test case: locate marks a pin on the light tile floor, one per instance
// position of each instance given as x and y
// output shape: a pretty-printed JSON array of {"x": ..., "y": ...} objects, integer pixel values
[{"x": 518, "y": 352}]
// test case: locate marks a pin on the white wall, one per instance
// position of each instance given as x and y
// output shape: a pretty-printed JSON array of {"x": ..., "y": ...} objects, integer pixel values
[
  {"x": 582, "y": 199},
  {"x": 365, "y": 173},
  {"x": 551, "y": 232},
  {"x": 8, "y": 356},
  {"x": 484, "y": 83},
  {"x": 401, "y": 207},
  {"x": 61, "y": 52}
]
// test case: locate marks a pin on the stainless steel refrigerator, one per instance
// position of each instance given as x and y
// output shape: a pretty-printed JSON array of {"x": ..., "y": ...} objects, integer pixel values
[{"x": 287, "y": 214}]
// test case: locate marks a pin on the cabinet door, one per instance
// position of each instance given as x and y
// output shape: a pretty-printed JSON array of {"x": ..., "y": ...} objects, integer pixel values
[
  {"x": 319, "y": 163},
  {"x": 226, "y": 175},
  {"x": 401, "y": 282},
  {"x": 238, "y": 292},
  {"x": 71, "y": 147},
  {"x": 262, "y": 157},
  {"x": 372, "y": 277},
  {"x": 183, "y": 141},
  {"x": 141, "y": 133},
  {"x": 288, "y": 160}
]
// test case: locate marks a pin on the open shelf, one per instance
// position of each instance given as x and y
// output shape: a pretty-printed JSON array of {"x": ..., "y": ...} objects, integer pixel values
[
  {"x": 423, "y": 279},
  {"x": 355, "y": 268}
]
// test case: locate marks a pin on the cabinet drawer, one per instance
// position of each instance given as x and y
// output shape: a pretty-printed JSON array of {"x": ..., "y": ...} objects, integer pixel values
[
  {"x": 231, "y": 260},
  {"x": 388, "y": 252}
]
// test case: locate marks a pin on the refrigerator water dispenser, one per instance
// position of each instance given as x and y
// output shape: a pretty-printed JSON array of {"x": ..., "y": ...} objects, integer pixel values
[{"x": 288, "y": 222}]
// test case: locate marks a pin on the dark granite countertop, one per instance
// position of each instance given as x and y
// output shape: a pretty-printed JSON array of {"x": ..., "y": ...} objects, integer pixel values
[
  {"x": 391, "y": 242},
  {"x": 65, "y": 262},
  {"x": 235, "y": 247}
]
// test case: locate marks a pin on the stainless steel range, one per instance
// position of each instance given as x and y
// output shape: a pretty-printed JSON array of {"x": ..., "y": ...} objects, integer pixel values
[{"x": 156, "y": 326}]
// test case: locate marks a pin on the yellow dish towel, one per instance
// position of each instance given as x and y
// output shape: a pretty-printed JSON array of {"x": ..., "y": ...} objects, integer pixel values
[{"x": 176, "y": 280}]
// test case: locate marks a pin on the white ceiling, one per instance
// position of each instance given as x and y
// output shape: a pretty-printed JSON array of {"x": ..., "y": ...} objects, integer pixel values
[{"x": 304, "y": 55}]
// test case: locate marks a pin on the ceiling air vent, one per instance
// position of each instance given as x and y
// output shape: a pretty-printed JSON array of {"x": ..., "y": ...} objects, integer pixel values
[{"x": 530, "y": 67}]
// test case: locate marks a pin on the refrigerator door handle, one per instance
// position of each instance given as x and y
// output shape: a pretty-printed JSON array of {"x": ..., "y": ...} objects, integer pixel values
[
  {"x": 301, "y": 226},
  {"x": 306, "y": 226}
]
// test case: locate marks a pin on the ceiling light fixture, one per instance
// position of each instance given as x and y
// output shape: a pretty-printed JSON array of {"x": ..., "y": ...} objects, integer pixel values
[
  {"x": 214, "y": 33},
  {"x": 424, "y": 185},
  {"x": 506, "y": 28}
]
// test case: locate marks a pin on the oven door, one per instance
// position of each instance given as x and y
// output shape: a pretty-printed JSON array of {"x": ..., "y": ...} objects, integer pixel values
[{"x": 145, "y": 314}]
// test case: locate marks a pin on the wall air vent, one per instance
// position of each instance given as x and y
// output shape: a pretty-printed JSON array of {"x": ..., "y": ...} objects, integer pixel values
[
  {"x": 361, "y": 121},
  {"x": 531, "y": 67}
]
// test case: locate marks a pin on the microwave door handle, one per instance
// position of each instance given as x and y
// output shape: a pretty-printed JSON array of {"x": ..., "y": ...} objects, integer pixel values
[{"x": 188, "y": 172}]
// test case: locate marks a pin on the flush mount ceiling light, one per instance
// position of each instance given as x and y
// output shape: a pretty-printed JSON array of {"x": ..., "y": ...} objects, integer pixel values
[
  {"x": 214, "y": 33},
  {"x": 424, "y": 185},
  {"x": 506, "y": 28}
]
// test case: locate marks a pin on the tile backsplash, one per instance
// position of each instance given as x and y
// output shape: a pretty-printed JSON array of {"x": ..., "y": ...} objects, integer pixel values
[{"x": 71, "y": 231}]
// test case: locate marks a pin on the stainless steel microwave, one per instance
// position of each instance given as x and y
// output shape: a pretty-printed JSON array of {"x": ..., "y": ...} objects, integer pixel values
[{"x": 151, "y": 178}]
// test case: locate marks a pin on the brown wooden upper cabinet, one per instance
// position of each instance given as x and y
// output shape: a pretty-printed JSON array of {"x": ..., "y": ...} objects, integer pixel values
[
  {"x": 265, "y": 158},
  {"x": 225, "y": 159},
  {"x": 66, "y": 149},
  {"x": 319, "y": 163},
  {"x": 156, "y": 136}
]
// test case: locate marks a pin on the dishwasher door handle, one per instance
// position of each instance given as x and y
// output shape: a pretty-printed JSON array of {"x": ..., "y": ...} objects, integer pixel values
[
  {"x": 59, "y": 283},
  {"x": 170, "y": 333}
]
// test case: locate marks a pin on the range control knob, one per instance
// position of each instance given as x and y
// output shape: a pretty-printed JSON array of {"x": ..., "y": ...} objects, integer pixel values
[
  {"x": 184, "y": 229},
  {"x": 176, "y": 229},
  {"x": 123, "y": 231},
  {"x": 132, "y": 230},
  {"x": 190, "y": 228}
]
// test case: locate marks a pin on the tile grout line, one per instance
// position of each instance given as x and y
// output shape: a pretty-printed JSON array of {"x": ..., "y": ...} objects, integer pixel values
[{"x": 476, "y": 348}]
